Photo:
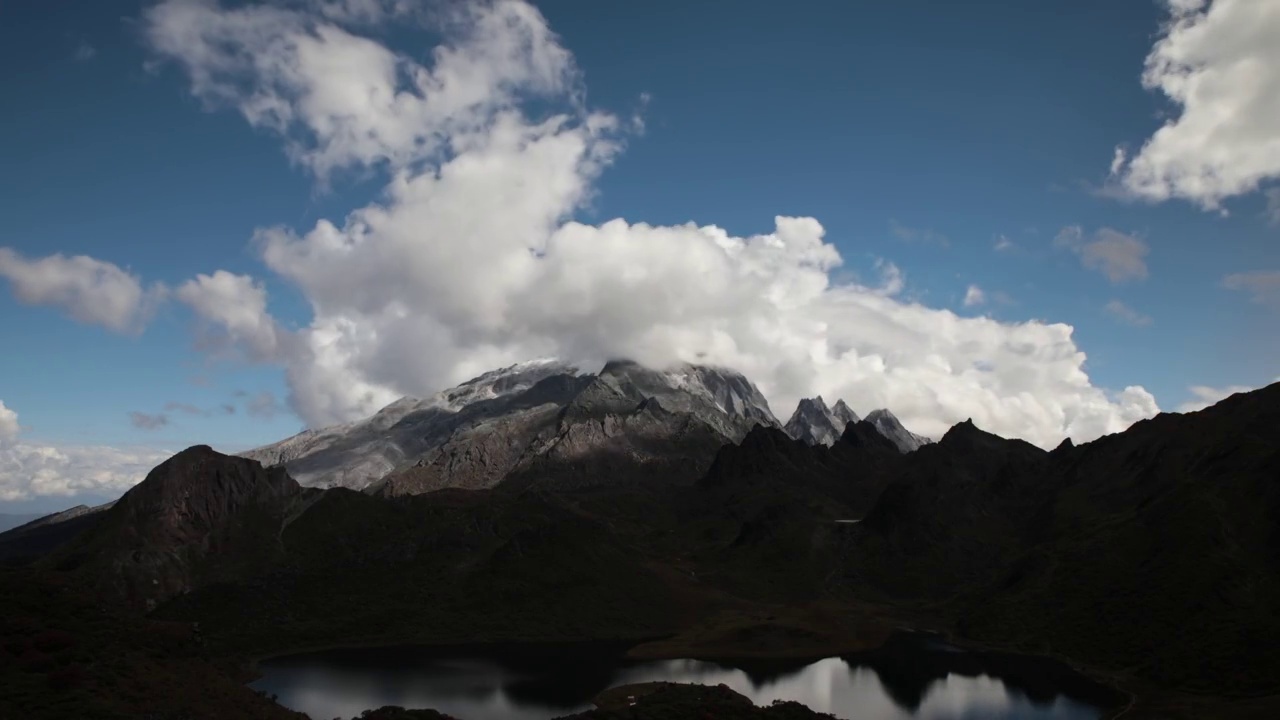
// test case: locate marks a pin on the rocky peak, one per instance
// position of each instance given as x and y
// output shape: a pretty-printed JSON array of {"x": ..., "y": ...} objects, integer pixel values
[
  {"x": 863, "y": 434},
  {"x": 844, "y": 414},
  {"x": 816, "y": 424},
  {"x": 720, "y": 397},
  {"x": 889, "y": 426},
  {"x": 967, "y": 439},
  {"x": 190, "y": 512},
  {"x": 764, "y": 446}
]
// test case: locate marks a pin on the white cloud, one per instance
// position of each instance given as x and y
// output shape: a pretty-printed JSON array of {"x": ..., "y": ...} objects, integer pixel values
[
  {"x": 236, "y": 305},
  {"x": 89, "y": 290},
  {"x": 368, "y": 12},
  {"x": 1126, "y": 314},
  {"x": 1206, "y": 396},
  {"x": 8, "y": 424},
  {"x": 1004, "y": 244},
  {"x": 30, "y": 470},
  {"x": 469, "y": 260},
  {"x": 973, "y": 295},
  {"x": 342, "y": 100},
  {"x": 85, "y": 51},
  {"x": 1219, "y": 63},
  {"x": 1263, "y": 286},
  {"x": 1118, "y": 256}
]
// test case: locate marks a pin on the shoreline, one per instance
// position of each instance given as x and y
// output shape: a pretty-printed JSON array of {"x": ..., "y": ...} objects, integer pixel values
[{"x": 672, "y": 648}]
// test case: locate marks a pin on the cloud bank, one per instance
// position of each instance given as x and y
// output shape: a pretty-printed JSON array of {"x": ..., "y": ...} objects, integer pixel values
[
  {"x": 30, "y": 470},
  {"x": 472, "y": 258}
]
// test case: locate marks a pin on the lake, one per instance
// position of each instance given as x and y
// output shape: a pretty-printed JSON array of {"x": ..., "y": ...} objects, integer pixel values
[{"x": 912, "y": 676}]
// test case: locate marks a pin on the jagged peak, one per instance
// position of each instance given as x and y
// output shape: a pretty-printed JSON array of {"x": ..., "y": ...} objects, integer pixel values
[
  {"x": 762, "y": 435},
  {"x": 842, "y": 409},
  {"x": 1065, "y": 445},
  {"x": 814, "y": 402},
  {"x": 960, "y": 431},
  {"x": 195, "y": 465},
  {"x": 882, "y": 414},
  {"x": 864, "y": 434},
  {"x": 195, "y": 451}
]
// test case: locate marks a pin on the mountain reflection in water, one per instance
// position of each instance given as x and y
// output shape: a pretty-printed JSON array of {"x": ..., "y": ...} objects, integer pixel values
[{"x": 912, "y": 676}]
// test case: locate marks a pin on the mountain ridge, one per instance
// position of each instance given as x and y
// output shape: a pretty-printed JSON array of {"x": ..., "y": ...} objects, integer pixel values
[
  {"x": 1091, "y": 552},
  {"x": 477, "y": 434}
]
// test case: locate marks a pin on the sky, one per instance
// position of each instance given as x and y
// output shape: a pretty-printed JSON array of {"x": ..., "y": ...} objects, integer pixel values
[{"x": 227, "y": 221}]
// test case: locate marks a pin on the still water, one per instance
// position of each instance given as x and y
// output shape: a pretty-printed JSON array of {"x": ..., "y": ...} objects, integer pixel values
[{"x": 913, "y": 676}]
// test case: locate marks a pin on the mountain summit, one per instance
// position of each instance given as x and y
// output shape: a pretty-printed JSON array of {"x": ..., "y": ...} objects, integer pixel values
[
  {"x": 889, "y": 426},
  {"x": 816, "y": 424},
  {"x": 540, "y": 414}
]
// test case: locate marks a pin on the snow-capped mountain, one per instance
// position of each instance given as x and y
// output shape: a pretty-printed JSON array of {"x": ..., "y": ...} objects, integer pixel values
[
  {"x": 358, "y": 453},
  {"x": 513, "y": 419},
  {"x": 816, "y": 424}
]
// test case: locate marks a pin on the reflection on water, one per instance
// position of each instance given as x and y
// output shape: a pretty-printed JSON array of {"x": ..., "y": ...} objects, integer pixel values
[{"x": 911, "y": 677}]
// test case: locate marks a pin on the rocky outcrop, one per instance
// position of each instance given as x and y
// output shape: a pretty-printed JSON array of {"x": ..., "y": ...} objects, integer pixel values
[{"x": 197, "y": 516}]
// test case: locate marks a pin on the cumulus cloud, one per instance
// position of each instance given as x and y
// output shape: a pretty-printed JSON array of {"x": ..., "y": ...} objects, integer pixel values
[
  {"x": 974, "y": 295},
  {"x": 1118, "y": 256},
  {"x": 471, "y": 259},
  {"x": 90, "y": 291},
  {"x": 342, "y": 100},
  {"x": 30, "y": 470},
  {"x": 234, "y": 308},
  {"x": 1127, "y": 315},
  {"x": 1204, "y": 396},
  {"x": 1219, "y": 63},
  {"x": 1263, "y": 286}
]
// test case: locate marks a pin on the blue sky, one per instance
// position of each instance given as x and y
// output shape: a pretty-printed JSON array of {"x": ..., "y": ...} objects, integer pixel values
[{"x": 921, "y": 135}]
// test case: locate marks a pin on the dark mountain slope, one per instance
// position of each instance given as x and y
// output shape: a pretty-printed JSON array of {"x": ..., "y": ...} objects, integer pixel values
[
  {"x": 761, "y": 519},
  {"x": 449, "y": 566},
  {"x": 43, "y": 535},
  {"x": 1151, "y": 554},
  {"x": 1152, "y": 550},
  {"x": 198, "y": 517}
]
